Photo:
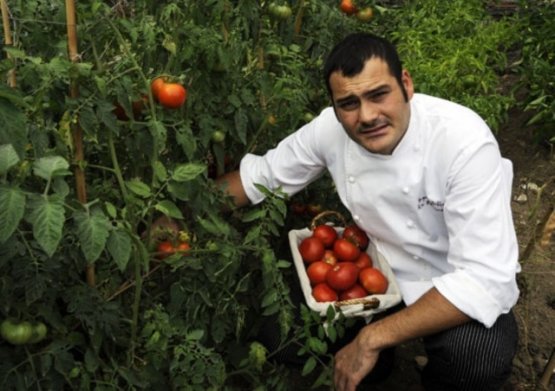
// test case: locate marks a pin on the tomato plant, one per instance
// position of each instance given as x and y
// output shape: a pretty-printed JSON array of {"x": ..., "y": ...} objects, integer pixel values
[{"x": 365, "y": 14}]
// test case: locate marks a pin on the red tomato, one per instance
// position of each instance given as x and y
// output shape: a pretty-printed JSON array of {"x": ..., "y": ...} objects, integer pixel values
[
  {"x": 353, "y": 233},
  {"x": 354, "y": 292},
  {"x": 172, "y": 95},
  {"x": 342, "y": 276},
  {"x": 166, "y": 248},
  {"x": 345, "y": 250},
  {"x": 327, "y": 234},
  {"x": 297, "y": 208},
  {"x": 373, "y": 280},
  {"x": 363, "y": 260},
  {"x": 317, "y": 271},
  {"x": 330, "y": 257},
  {"x": 323, "y": 292},
  {"x": 156, "y": 85},
  {"x": 183, "y": 247},
  {"x": 311, "y": 249},
  {"x": 348, "y": 7}
]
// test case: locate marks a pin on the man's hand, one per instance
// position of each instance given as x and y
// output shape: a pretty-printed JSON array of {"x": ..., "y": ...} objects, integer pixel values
[{"x": 353, "y": 363}]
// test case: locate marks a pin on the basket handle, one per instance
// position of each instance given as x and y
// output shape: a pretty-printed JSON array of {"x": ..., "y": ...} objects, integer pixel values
[
  {"x": 325, "y": 213},
  {"x": 367, "y": 303}
]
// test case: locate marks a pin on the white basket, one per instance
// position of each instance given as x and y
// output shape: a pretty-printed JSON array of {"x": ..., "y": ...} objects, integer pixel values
[{"x": 364, "y": 307}]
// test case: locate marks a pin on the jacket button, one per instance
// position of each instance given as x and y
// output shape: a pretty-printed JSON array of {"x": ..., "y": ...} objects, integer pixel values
[
  {"x": 406, "y": 190},
  {"x": 352, "y": 179},
  {"x": 410, "y": 224}
]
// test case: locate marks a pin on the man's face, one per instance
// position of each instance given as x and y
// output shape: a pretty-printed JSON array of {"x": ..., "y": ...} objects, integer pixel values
[{"x": 371, "y": 106}]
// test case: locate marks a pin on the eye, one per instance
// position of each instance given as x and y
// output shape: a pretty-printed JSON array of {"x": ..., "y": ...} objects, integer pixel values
[{"x": 348, "y": 105}]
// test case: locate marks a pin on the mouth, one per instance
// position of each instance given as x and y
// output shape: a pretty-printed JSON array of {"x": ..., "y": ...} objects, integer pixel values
[{"x": 374, "y": 131}]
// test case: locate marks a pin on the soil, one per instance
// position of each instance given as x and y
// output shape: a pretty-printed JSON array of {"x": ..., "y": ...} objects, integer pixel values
[{"x": 532, "y": 205}]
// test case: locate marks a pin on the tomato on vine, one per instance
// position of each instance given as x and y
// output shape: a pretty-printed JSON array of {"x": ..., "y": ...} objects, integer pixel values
[
  {"x": 348, "y": 7},
  {"x": 167, "y": 248},
  {"x": 172, "y": 95},
  {"x": 16, "y": 333}
]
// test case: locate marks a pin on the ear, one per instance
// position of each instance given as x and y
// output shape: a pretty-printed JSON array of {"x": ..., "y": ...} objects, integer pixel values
[{"x": 407, "y": 83}]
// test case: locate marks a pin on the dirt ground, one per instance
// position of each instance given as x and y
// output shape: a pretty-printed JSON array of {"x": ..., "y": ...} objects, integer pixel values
[{"x": 533, "y": 202}]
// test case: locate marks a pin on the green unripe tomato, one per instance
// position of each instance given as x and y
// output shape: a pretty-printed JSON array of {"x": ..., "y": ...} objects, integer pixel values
[
  {"x": 218, "y": 136},
  {"x": 16, "y": 333},
  {"x": 39, "y": 332}
]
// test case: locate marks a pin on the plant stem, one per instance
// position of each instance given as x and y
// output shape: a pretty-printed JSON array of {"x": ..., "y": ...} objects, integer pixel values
[{"x": 115, "y": 163}]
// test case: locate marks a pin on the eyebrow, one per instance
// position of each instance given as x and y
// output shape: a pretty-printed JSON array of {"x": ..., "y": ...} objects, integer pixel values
[{"x": 377, "y": 90}]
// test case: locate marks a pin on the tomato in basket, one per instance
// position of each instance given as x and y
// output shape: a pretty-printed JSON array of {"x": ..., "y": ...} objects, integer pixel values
[
  {"x": 345, "y": 250},
  {"x": 327, "y": 234},
  {"x": 342, "y": 276},
  {"x": 363, "y": 261},
  {"x": 354, "y": 234},
  {"x": 317, "y": 272},
  {"x": 330, "y": 257},
  {"x": 373, "y": 280},
  {"x": 322, "y": 293},
  {"x": 311, "y": 249},
  {"x": 354, "y": 292}
]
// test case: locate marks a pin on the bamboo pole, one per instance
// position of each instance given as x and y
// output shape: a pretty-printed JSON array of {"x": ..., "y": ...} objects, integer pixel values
[
  {"x": 77, "y": 131},
  {"x": 8, "y": 38}
]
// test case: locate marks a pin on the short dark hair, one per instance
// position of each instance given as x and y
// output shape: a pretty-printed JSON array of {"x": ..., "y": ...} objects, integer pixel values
[{"x": 350, "y": 55}]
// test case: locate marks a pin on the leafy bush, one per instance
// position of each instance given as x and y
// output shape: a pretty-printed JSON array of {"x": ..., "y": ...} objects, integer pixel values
[
  {"x": 536, "y": 67},
  {"x": 456, "y": 50}
]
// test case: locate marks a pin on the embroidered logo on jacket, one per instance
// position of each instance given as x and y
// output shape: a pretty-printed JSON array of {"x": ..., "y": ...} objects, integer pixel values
[{"x": 437, "y": 205}]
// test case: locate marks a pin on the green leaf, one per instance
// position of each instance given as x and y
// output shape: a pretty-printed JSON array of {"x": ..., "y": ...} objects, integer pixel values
[
  {"x": 168, "y": 208},
  {"x": 215, "y": 225},
  {"x": 187, "y": 172},
  {"x": 12, "y": 207},
  {"x": 8, "y": 158},
  {"x": 253, "y": 214},
  {"x": 160, "y": 171},
  {"x": 309, "y": 366},
  {"x": 93, "y": 230},
  {"x": 13, "y": 123},
  {"x": 139, "y": 188},
  {"x": 51, "y": 166},
  {"x": 195, "y": 335},
  {"x": 119, "y": 247},
  {"x": 47, "y": 216}
]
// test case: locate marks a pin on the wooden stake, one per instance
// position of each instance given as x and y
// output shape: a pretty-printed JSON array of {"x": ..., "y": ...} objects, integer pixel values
[
  {"x": 77, "y": 131},
  {"x": 7, "y": 38}
]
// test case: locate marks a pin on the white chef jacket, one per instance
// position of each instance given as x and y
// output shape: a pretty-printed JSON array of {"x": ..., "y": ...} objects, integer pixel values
[{"x": 438, "y": 208}]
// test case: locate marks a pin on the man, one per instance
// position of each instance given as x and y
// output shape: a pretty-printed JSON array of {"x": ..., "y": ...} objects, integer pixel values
[{"x": 425, "y": 179}]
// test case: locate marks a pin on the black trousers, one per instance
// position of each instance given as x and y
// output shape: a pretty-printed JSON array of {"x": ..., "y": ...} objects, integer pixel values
[{"x": 471, "y": 357}]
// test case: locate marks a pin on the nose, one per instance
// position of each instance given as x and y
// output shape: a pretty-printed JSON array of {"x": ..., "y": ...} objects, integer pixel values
[{"x": 368, "y": 112}]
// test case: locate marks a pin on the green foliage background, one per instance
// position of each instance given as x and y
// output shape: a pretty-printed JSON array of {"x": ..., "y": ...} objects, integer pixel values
[{"x": 191, "y": 321}]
